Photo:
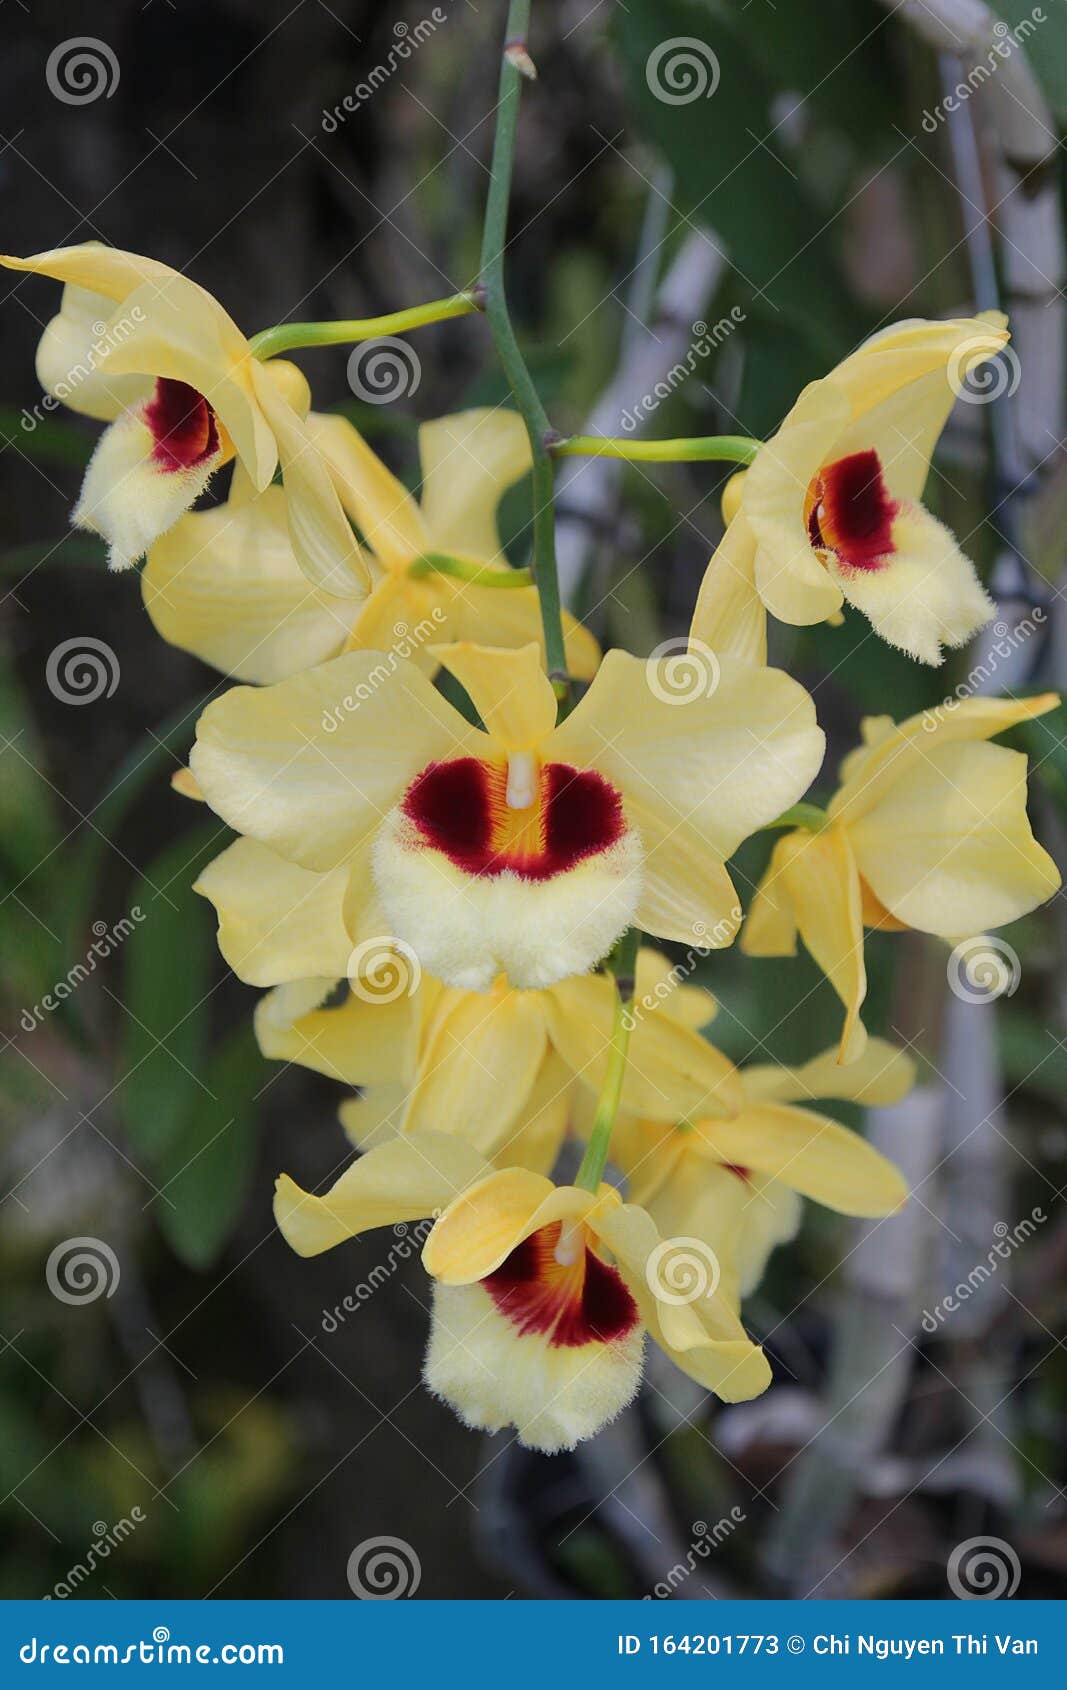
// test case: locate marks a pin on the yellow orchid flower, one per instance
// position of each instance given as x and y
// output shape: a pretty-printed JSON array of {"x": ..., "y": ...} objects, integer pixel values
[
  {"x": 497, "y": 1066},
  {"x": 927, "y": 830},
  {"x": 829, "y": 511},
  {"x": 527, "y": 848},
  {"x": 542, "y": 1293},
  {"x": 225, "y": 585},
  {"x": 143, "y": 348},
  {"x": 737, "y": 1185}
]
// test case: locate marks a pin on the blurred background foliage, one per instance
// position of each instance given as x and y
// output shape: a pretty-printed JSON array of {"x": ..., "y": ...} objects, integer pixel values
[{"x": 207, "y": 1391}]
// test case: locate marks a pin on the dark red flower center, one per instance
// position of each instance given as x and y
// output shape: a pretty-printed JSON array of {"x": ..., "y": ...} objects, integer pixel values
[
  {"x": 460, "y": 808},
  {"x": 579, "y": 1302},
  {"x": 850, "y": 512},
  {"x": 184, "y": 427}
]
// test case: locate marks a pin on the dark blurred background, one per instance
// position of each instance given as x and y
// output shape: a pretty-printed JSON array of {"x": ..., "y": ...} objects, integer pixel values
[{"x": 807, "y": 195}]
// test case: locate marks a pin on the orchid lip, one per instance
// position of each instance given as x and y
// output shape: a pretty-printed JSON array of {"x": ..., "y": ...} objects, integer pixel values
[
  {"x": 572, "y": 1302},
  {"x": 535, "y": 820},
  {"x": 183, "y": 426},
  {"x": 849, "y": 511}
]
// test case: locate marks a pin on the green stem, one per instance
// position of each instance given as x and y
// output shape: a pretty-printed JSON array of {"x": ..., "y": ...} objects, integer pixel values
[
  {"x": 711, "y": 448},
  {"x": 284, "y": 337},
  {"x": 800, "y": 815},
  {"x": 466, "y": 569},
  {"x": 527, "y": 399},
  {"x": 623, "y": 965}
]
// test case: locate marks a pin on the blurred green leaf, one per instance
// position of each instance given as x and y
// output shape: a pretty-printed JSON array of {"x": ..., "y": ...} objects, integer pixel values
[
  {"x": 81, "y": 551},
  {"x": 152, "y": 758},
  {"x": 728, "y": 167},
  {"x": 205, "y": 1167},
  {"x": 29, "y": 861},
  {"x": 167, "y": 961},
  {"x": 50, "y": 439}
]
